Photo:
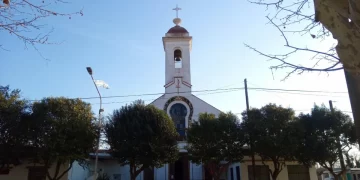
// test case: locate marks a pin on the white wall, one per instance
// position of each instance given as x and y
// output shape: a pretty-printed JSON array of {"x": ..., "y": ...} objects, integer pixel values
[
  {"x": 77, "y": 172},
  {"x": 283, "y": 174},
  {"x": 161, "y": 173},
  {"x": 109, "y": 167},
  {"x": 170, "y": 45},
  {"x": 196, "y": 171},
  {"x": 20, "y": 172},
  {"x": 112, "y": 167}
]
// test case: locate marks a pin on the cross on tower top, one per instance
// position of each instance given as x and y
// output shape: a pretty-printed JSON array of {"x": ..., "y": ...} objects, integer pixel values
[{"x": 177, "y": 9}]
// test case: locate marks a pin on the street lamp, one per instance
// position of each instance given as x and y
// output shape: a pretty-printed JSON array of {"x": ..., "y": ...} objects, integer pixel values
[{"x": 103, "y": 84}]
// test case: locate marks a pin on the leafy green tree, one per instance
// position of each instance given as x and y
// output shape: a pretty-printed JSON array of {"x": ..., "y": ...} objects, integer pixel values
[
  {"x": 349, "y": 160},
  {"x": 62, "y": 131},
  {"x": 216, "y": 142},
  {"x": 13, "y": 109},
  {"x": 270, "y": 128},
  {"x": 141, "y": 136},
  {"x": 316, "y": 137}
]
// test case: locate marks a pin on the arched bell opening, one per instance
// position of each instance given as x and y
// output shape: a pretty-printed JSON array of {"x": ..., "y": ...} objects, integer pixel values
[{"x": 178, "y": 58}]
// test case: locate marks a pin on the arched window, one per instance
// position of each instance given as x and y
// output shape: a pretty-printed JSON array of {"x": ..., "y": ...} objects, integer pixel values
[
  {"x": 178, "y": 58},
  {"x": 178, "y": 113}
]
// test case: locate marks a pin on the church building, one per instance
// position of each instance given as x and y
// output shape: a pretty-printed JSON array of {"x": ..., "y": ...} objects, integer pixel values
[
  {"x": 178, "y": 102},
  {"x": 184, "y": 108}
]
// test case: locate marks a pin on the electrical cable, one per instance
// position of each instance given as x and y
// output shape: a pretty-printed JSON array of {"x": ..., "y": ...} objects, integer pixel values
[{"x": 214, "y": 90}]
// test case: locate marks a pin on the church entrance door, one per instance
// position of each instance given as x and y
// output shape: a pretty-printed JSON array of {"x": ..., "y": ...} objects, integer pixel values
[{"x": 180, "y": 170}]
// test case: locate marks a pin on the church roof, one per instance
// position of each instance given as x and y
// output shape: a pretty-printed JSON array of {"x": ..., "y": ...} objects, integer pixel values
[{"x": 177, "y": 29}]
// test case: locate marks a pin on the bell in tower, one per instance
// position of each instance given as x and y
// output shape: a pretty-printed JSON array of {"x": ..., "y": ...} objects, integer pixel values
[{"x": 177, "y": 59}]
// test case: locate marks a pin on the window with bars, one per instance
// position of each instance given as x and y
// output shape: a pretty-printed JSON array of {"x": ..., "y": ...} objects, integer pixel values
[
  {"x": 298, "y": 172},
  {"x": 238, "y": 173}
]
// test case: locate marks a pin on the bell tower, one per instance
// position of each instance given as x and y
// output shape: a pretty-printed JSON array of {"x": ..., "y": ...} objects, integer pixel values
[{"x": 177, "y": 47}]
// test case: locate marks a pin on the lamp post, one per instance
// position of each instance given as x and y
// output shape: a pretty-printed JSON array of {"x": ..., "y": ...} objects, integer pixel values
[{"x": 89, "y": 70}]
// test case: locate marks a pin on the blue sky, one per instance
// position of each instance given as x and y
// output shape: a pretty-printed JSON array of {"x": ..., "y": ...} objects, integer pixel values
[{"x": 121, "y": 41}]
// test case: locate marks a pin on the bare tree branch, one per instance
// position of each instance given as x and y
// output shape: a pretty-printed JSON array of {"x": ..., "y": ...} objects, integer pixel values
[
  {"x": 295, "y": 12},
  {"x": 330, "y": 55},
  {"x": 21, "y": 18},
  {"x": 322, "y": 18}
]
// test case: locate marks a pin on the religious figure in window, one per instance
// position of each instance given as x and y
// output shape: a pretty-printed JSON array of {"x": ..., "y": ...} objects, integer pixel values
[
  {"x": 178, "y": 114},
  {"x": 178, "y": 58}
]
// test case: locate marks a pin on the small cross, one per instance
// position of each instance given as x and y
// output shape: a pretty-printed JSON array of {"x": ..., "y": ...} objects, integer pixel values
[
  {"x": 177, "y": 9},
  {"x": 178, "y": 85}
]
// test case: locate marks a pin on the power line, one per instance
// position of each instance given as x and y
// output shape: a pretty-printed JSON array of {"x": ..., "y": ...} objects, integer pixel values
[
  {"x": 297, "y": 90},
  {"x": 114, "y": 102},
  {"x": 285, "y": 92},
  {"x": 153, "y": 94},
  {"x": 215, "y": 90},
  {"x": 304, "y": 110},
  {"x": 306, "y": 94},
  {"x": 259, "y": 86}
]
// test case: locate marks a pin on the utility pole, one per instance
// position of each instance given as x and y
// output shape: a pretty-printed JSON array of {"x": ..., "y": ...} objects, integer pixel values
[
  {"x": 251, "y": 142},
  {"x": 341, "y": 158}
]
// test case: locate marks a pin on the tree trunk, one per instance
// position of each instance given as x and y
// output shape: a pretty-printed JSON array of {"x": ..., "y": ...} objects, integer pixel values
[
  {"x": 333, "y": 14},
  {"x": 132, "y": 174},
  {"x": 132, "y": 171},
  {"x": 353, "y": 84},
  {"x": 273, "y": 177},
  {"x": 275, "y": 174}
]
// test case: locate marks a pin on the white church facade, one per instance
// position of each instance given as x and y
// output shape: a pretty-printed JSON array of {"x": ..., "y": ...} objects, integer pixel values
[
  {"x": 184, "y": 108},
  {"x": 179, "y": 103}
]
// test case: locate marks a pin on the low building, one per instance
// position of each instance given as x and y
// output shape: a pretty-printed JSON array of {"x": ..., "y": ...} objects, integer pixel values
[
  {"x": 29, "y": 171},
  {"x": 237, "y": 171},
  {"x": 351, "y": 174}
]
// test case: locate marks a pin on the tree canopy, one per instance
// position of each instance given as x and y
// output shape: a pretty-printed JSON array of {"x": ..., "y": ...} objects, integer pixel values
[
  {"x": 13, "y": 139},
  {"x": 216, "y": 142},
  {"x": 141, "y": 136},
  {"x": 270, "y": 127},
  {"x": 61, "y": 131},
  {"x": 317, "y": 137}
]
